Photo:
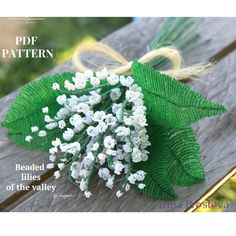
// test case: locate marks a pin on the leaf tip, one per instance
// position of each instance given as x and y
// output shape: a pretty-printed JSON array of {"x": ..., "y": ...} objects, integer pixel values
[
  {"x": 220, "y": 109},
  {"x": 4, "y": 123},
  {"x": 223, "y": 109},
  {"x": 172, "y": 196},
  {"x": 135, "y": 65},
  {"x": 199, "y": 176}
]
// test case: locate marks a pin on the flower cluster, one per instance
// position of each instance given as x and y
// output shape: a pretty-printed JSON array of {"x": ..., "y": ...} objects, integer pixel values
[{"x": 102, "y": 124}]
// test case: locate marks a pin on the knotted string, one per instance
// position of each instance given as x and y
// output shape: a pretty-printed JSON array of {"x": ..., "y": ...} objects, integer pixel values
[{"x": 170, "y": 53}]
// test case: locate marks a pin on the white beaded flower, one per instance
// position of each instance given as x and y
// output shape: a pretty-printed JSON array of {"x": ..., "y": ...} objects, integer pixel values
[{"x": 100, "y": 125}]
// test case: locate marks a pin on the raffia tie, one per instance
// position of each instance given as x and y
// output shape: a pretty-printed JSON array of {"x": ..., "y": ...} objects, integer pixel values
[{"x": 170, "y": 53}]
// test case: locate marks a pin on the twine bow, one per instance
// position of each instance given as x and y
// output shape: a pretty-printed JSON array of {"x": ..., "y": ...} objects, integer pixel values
[{"x": 170, "y": 53}]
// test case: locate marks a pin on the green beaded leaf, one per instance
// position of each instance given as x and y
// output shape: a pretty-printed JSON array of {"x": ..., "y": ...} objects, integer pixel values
[
  {"x": 171, "y": 104},
  {"x": 26, "y": 111},
  {"x": 174, "y": 159},
  {"x": 184, "y": 166},
  {"x": 156, "y": 179}
]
